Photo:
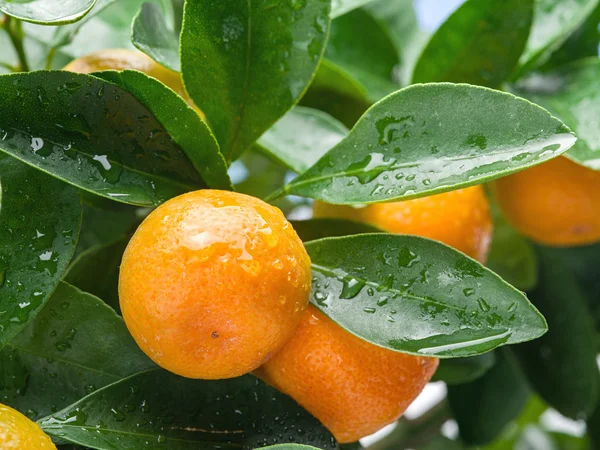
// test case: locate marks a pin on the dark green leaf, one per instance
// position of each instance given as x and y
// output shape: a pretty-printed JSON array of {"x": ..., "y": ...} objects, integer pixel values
[
  {"x": 246, "y": 63},
  {"x": 47, "y": 12},
  {"x": 96, "y": 271},
  {"x": 553, "y": 23},
  {"x": 511, "y": 255},
  {"x": 572, "y": 93},
  {"x": 74, "y": 346},
  {"x": 289, "y": 447},
  {"x": 182, "y": 123},
  {"x": 418, "y": 296},
  {"x": 39, "y": 225},
  {"x": 480, "y": 43},
  {"x": 464, "y": 370},
  {"x": 301, "y": 137},
  {"x": 371, "y": 62},
  {"x": 310, "y": 230},
  {"x": 426, "y": 139},
  {"x": 159, "y": 410},
  {"x": 151, "y": 34},
  {"x": 593, "y": 426},
  {"x": 485, "y": 406},
  {"x": 561, "y": 366},
  {"x": 93, "y": 135}
]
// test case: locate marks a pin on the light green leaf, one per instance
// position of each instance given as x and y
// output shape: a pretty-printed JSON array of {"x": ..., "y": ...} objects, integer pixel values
[
  {"x": 418, "y": 296},
  {"x": 341, "y": 7},
  {"x": 301, "y": 137},
  {"x": 426, "y": 139},
  {"x": 245, "y": 64},
  {"x": 151, "y": 34},
  {"x": 47, "y": 12}
]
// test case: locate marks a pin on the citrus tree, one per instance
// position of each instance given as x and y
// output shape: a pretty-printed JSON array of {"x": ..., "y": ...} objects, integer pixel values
[{"x": 270, "y": 223}]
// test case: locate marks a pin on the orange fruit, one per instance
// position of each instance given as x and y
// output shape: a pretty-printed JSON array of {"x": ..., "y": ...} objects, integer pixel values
[
  {"x": 556, "y": 203},
  {"x": 17, "y": 432},
  {"x": 213, "y": 283},
  {"x": 353, "y": 387},
  {"x": 458, "y": 218},
  {"x": 122, "y": 59}
]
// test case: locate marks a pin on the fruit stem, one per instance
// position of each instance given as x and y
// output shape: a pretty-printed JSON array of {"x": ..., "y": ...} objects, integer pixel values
[
  {"x": 275, "y": 195},
  {"x": 14, "y": 28}
]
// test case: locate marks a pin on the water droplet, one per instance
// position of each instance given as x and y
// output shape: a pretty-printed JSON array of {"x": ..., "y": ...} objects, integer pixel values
[
  {"x": 370, "y": 310},
  {"x": 483, "y": 305},
  {"x": 351, "y": 288},
  {"x": 118, "y": 415}
]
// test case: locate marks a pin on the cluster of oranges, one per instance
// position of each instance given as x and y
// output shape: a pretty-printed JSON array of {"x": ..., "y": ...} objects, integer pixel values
[{"x": 216, "y": 284}]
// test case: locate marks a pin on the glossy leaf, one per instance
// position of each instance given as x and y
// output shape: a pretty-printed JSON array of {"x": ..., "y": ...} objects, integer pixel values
[
  {"x": 572, "y": 93},
  {"x": 418, "y": 296},
  {"x": 246, "y": 63},
  {"x": 336, "y": 92},
  {"x": 485, "y": 406},
  {"x": 93, "y": 135},
  {"x": 47, "y": 12},
  {"x": 425, "y": 139},
  {"x": 289, "y": 447},
  {"x": 301, "y": 137},
  {"x": 511, "y": 255},
  {"x": 341, "y": 7},
  {"x": 182, "y": 123},
  {"x": 371, "y": 62},
  {"x": 151, "y": 34},
  {"x": 96, "y": 271},
  {"x": 39, "y": 225},
  {"x": 74, "y": 346},
  {"x": 464, "y": 370},
  {"x": 310, "y": 230},
  {"x": 480, "y": 43},
  {"x": 159, "y": 410},
  {"x": 553, "y": 23},
  {"x": 561, "y": 366}
]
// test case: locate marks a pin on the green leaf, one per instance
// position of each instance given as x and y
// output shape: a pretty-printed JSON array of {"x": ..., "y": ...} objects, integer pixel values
[
  {"x": 93, "y": 135},
  {"x": 426, "y": 139},
  {"x": 47, "y": 12},
  {"x": 571, "y": 93},
  {"x": 301, "y": 137},
  {"x": 245, "y": 64},
  {"x": 151, "y": 34},
  {"x": 167, "y": 411},
  {"x": 371, "y": 62},
  {"x": 39, "y": 225},
  {"x": 553, "y": 23},
  {"x": 310, "y": 230},
  {"x": 74, "y": 346},
  {"x": 289, "y": 447},
  {"x": 184, "y": 125},
  {"x": 336, "y": 92},
  {"x": 96, "y": 271},
  {"x": 485, "y": 406},
  {"x": 480, "y": 43},
  {"x": 418, "y": 296},
  {"x": 511, "y": 255},
  {"x": 341, "y": 7},
  {"x": 464, "y": 370},
  {"x": 561, "y": 366}
]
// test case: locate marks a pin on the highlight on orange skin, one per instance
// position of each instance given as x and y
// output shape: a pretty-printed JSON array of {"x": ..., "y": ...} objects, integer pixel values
[
  {"x": 123, "y": 59},
  {"x": 353, "y": 387},
  {"x": 459, "y": 218},
  {"x": 213, "y": 283},
  {"x": 556, "y": 203},
  {"x": 17, "y": 432}
]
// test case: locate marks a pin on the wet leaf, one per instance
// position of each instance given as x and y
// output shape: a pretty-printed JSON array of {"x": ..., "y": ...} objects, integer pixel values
[
  {"x": 47, "y": 12},
  {"x": 341, "y": 7},
  {"x": 301, "y": 137},
  {"x": 553, "y": 23},
  {"x": 561, "y": 366},
  {"x": 310, "y": 230},
  {"x": 151, "y": 34},
  {"x": 159, "y": 410},
  {"x": 245, "y": 64},
  {"x": 572, "y": 93},
  {"x": 464, "y": 370},
  {"x": 289, "y": 447},
  {"x": 418, "y": 296},
  {"x": 182, "y": 123},
  {"x": 93, "y": 135},
  {"x": 39, "y": 226},
  {"x": 75, "y": 346},
  {"x": 485, "y": 406},
  {"x": 480, "y": 43},
  {"x": 425, "y": 139}
]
